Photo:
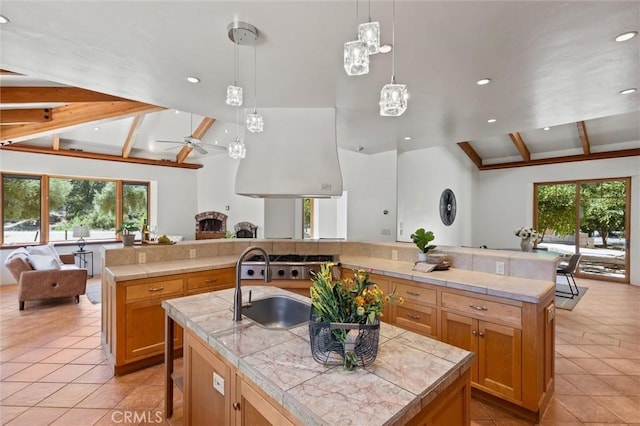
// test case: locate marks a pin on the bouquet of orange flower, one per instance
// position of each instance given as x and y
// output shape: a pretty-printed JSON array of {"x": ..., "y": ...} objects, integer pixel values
[{"x": 354, "y": 300}]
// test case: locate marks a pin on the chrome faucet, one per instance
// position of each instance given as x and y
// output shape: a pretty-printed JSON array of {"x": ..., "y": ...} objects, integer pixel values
[{"x": 237, "y": 295}]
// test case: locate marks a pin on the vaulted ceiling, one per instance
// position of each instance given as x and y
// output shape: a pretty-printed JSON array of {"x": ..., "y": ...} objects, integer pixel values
[{"x": 121, "y": 67}]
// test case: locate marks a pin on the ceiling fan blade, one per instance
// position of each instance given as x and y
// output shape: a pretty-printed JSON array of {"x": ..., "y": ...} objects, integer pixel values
[
  {"x": 200, "y": 149},
  {"x": 220, "y": 147},
  {"x": 180, "y": 142},
  {"x": 171, "y": 148}
]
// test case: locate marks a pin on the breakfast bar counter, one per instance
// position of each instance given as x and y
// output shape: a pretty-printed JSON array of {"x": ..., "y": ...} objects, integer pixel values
[{"x": 410, "y": 373}]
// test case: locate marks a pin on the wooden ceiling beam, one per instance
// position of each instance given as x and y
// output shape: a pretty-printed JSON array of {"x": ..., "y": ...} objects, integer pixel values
[
  {"x": 568, "y": 159},
  {"x": 471, "y": 153},
  {"x": 56, "y": 142},
  {"x": 73, "y": 115},
  {"x": 584, "y": 137},
  {"x": 21, "y": 116},
  {"x": 131, "y": 137},
  {"x": 7, "y": 72},
  {"x": 199, "y": 133},
  {"x": 37, "y": 94},
  {"x": 93, "y": 156},
  {"x": 520, "y": 145}
]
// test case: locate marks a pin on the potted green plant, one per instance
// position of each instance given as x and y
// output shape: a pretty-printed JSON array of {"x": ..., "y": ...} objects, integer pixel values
[
  {"x": 128, "y": 231},
  {"x": 421, "y": 239}
]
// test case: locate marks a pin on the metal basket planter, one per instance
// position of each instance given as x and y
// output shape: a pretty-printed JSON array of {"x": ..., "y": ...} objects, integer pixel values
[{"x": 329, "y": 342}]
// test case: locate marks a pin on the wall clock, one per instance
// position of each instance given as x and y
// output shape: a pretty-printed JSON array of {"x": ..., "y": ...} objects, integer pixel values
[{"x": 448, "y": 207}]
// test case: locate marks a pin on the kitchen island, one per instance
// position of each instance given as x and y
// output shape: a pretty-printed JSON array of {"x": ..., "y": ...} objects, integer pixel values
[{"x": 270, "y": 374}]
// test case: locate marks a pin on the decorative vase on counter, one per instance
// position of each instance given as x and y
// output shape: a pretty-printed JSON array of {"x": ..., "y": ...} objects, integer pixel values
[
  {"x": 526, "y": 244},
  {"x": 422, "y": 257}
]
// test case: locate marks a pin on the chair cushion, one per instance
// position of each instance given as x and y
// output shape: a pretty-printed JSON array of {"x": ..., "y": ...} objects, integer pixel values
[
  {"x": 46, "y": 250},
  {"x": 42, "y": 262},
  {"x": 21, "y": 253}
]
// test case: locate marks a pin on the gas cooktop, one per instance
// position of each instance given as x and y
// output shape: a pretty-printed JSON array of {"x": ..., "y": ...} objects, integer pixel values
[
  {"x": 293, "y": 258},
  {"x": 284, "y": 266}
]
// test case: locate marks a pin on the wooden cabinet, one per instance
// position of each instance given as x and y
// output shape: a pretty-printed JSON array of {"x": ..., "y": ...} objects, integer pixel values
[
  {"x": 216, "y": 394},
  {"x": 498, "y": 362},
  {"x": 133, "y": 319},
  {"x": 419, "y": 311},
  {"x": 203, "y": 403}
]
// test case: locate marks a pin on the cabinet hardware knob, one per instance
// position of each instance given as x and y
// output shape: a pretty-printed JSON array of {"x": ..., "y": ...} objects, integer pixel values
[
  {"x": 211, "y": 280},
  {"x": 479, "y": 308},
  {"x": 236, "y": 406},
  {"x": 156, "y": 289},
  {"x": 474, "y": 333},
  {"x": 413, "y": 293},
  {"x": 415, "y": 317},
  {"x": 481, "y": 334}
]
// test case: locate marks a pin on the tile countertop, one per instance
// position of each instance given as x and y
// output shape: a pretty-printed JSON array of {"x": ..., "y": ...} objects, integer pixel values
[
  {"x": 515, "y": 288},
  {"x": 158, "y": 269},
  {"x": 410, "y": 370}
]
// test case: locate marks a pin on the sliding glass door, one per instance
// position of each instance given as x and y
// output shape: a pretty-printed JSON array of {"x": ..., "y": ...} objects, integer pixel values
[{"x": 589, "y": 217}]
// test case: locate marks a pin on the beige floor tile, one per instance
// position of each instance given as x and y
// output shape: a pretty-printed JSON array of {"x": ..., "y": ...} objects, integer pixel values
[
  {"x": 80, "y": 416},
  {"x": 91, "y": 342},
  {"x": 572, "y": 351},
  {"x": 566, "y": 366},
  {"x": 557, "y": 413},
  {"x": 587, "y": 409},
  {"x": 8, "y": 413},
  {"x": 32, "y": 394},
  {"x": 627, "y": 366},
  {"x": 626, "y": 385},
  {"x": 144, "y": 396},
  {"x": 37, "y": 416},
  {"x": 67, "y": 373},
  {"x": 33, "y": 373},
  {"x": 69, "y": 395},
  {"x": 98, "y": 374},
  {"x": 9, "y": 388},
  {"x": 625, "y": 408},
  {"x": 107, "y": 396},
  {"x": 64, "y": 342},
  {"x": 65, "y": 356},
  {"x": 591, "y": 385},
  {"x": 12, "y": 352},
  {"x": 8, "y": 369},
  {"x": 36, "y": 355}
]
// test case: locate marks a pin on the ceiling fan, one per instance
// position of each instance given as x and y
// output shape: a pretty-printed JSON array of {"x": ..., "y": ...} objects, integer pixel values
[{"x": 193, "y": 142}]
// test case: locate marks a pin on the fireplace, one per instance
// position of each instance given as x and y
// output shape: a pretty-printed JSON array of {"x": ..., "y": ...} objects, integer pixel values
[{"x": 211, "y": 225}]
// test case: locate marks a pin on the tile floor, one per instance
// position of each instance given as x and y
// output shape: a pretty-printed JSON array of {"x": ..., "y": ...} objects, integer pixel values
[{"x": 53, "y": 371}]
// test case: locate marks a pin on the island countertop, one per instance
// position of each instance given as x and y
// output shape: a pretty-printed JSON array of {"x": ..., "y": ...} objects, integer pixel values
[{"x": 409, "y": 372}]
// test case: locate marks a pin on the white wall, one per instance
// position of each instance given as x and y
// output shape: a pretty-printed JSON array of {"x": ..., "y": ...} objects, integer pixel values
[
  {"x": 330, "y": 217},
  {"x": 216, "y": 182},
  {"x": 172, "y": 190},
  {"x": 370, "y": 181},
  {"x": 280, "y": 218},
  {"x": 506, "y": 196},
  {"x": 422, "y": 176}
]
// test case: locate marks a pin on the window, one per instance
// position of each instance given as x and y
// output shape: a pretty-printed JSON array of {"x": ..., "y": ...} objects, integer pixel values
[
  {"x": 71, "y": 202},
  {"x": 21, "y": 209}
]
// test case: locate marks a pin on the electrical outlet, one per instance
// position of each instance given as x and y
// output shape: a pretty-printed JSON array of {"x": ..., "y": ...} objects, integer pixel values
[
  {"x": 218, "y": 383},
  {"x": 385, "y": 231},
  {"x": 500, "y": 268},
  {"x": 142, "y": 257},
  {"x": 394, "y": 254},
  {"x": 192, "y": 253}
]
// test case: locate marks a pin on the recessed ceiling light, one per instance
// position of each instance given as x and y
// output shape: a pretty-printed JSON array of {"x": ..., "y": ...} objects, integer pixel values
[
  {"x": 483, "y": 81},
  {"x": 177, "y": 111},
  {"x": 226, "y": 130},
  {"x": 96, "y": 128},
  {"x": 407, "y": 138},
  {"x": 491, "y": 120},
  {"x": 193, "y": 80},
  {"x": 215, "y": 142},
  {"x": 546, "y": 128},
  {"x": 626, "y": 36},
  {"x": 385, "y": 48},
  {"x": 4, "y": 19},
  {"x": 628, "y": 91}
]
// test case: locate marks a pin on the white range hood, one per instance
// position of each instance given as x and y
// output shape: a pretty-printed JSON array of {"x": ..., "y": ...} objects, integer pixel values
[{"x": 295, "y": 156}]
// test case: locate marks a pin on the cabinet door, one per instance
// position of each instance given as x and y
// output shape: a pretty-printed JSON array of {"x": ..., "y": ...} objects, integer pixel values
[
  {"x": 462, "y": 331},
  {"x": 256, "y": 410},
  {"x": 213, "y": 280},
  {"x": 421, "y": 319},
  {"x": 205, "y": 405},
  {"x": 500, "y": 359},
  {"x": 144, "y": 324}
]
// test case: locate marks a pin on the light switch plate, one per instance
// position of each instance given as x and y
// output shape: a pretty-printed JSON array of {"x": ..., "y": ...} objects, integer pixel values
[
  {"x": 218, "y": 383},
  {"x": 192, "y": 253},
  {"x": 500, "y": 268},
  {"x": 142, "y": 257}
]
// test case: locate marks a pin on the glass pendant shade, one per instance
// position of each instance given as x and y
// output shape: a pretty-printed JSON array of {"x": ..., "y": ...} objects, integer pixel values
[
  {"x": 237, "y": 149},
  {"x": 255, "y": 123},
  {"x": 369, "y": 33},
  {"x": 393, "y": 99},
  {"x": 356, "y": 58},
  {"x": 234, "y": 95}
]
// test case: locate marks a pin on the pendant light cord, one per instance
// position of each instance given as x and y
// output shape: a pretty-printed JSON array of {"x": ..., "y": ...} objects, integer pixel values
[
  {"x": 393, "y": 43},
  {"x": 369, "y": 10},
  {"x": 255, "y": 79},
  {"x": 235, "y": 64}
]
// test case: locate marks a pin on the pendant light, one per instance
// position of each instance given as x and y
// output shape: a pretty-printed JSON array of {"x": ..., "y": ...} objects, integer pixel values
[
  {"x": 369, "y": 33},
  {"x": 237, "y": 149},
  {"x": 393, "y": 96},
  {"x": 234, "y": 92},
  {"x": 356, "y": 55},
  {"x": 255, "y": 122}
]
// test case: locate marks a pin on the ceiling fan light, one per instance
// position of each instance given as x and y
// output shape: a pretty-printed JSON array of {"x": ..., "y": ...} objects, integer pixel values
[
  {"x": 255, "y": 123},
  {"x": 237, "y": 150},
  {"x": 234, "y": 95},
  {"x": 356, "y": 58},
  {"x": 393, "y": 99},
  {"x": 369, "y": 33}
]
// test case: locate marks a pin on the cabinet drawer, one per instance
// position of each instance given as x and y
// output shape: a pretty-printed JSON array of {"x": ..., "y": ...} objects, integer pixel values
[
  {"x": 414, "y": 293},
  {"x": 421, "y": 319},
  {"x": 151, "y": 290},
  {"x": 483, "y": 309},
  {"x": 222, "y": 278}
]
